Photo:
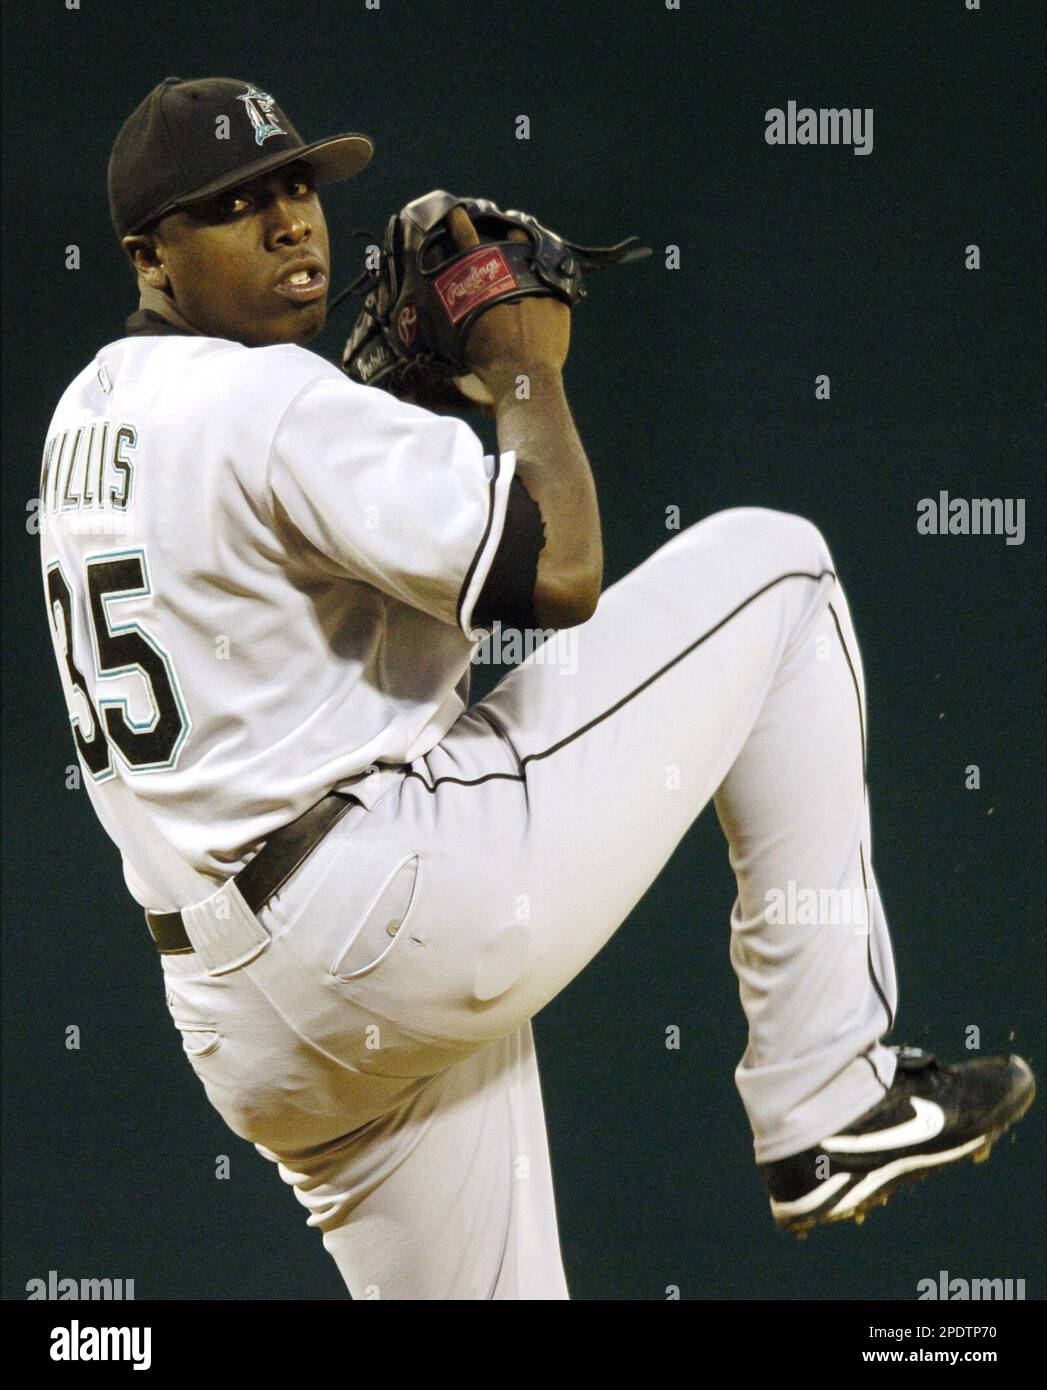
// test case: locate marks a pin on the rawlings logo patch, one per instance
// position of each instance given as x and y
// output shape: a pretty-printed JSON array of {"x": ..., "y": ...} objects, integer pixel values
[
  {"x": 481, "y": 275},
  {"x": 407, "y": 324}
]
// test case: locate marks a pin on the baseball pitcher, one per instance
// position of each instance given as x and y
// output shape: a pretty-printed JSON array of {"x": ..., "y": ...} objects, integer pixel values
[{"x": 266, "y": 576}]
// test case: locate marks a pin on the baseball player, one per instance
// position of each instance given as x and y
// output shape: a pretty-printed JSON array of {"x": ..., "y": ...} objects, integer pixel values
[{"x": 265, "y": 582}]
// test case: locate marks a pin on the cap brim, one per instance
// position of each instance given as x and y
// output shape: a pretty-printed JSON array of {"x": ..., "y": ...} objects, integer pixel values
[{"x": 332, "y": 160}]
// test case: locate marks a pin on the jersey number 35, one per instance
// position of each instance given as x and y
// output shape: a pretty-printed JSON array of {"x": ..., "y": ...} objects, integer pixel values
[{"x": 146, "y": 745}]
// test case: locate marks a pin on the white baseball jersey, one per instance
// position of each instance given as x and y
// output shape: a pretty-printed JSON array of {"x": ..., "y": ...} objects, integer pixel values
[{"x": 261, "y": 577}]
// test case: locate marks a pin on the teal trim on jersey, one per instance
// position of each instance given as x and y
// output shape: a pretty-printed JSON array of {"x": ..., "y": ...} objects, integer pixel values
[{"x": 122, "y": 702}]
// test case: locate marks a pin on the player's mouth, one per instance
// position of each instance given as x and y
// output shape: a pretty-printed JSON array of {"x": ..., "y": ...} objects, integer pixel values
[{"x": 302, "y": 281}]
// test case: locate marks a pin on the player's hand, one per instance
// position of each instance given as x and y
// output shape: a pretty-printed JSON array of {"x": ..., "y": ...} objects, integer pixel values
[{"x": 511, "y": 339}]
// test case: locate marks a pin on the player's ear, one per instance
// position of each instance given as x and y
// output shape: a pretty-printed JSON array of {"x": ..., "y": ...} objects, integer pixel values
[{"x": 145, "y": 255}]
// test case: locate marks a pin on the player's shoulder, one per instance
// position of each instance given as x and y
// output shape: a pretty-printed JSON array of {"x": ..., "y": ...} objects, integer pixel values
[
  {"x": 280, "y": 363},
  {"x": 291, "y": 383},
  {"x": 181, "y": 379},
  {"x": 238, "y": 374},
  {"x": 336, "y": 393}
]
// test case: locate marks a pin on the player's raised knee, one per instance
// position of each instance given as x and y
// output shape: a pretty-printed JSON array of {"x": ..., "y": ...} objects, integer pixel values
[{"x": 794, "y": 540}]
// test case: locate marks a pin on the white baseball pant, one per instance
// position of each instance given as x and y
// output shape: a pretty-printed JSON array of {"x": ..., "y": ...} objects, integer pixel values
[{"x": 370, "y": 1031}]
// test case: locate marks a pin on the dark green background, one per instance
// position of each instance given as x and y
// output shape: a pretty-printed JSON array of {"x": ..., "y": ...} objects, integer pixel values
[{"x": 693, "y": 387}]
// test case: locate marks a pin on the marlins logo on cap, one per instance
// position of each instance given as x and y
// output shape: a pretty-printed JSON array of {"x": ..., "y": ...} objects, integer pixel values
[{"x": 259, "y": 106}]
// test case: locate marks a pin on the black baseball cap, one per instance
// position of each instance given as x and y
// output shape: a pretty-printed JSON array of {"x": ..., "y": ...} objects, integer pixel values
[{"x": 176, "y": 148}]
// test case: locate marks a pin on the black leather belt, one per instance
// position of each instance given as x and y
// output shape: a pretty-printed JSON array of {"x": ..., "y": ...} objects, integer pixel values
[{"x": 271, "y": 867}]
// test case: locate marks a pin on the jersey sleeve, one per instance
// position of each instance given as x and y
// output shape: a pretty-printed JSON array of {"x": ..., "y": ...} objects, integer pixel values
[
  {"x": 507, "y": 596},
  {"x": 392, "y": 494}
]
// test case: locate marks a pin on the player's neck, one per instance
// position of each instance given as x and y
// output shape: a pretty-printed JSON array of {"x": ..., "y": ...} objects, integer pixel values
[{"x": 156, "y": 302}]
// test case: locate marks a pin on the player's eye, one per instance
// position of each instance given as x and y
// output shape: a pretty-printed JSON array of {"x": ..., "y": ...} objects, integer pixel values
[
  {"x": 232, "y": 204},
  {"x": 300, "y": 187}
]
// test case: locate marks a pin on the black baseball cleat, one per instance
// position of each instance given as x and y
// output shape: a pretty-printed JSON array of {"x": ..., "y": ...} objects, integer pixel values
[{"x": 932, "y": 1116}]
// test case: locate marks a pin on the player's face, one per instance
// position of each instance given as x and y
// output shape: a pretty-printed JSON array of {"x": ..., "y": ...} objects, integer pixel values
[{"x": 251, "y": 264}]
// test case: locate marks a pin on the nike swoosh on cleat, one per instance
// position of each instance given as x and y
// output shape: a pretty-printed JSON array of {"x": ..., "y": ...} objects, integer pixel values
[
  {"x": 928, "y": 1121},
  {"x": 800, "y": 1206}
]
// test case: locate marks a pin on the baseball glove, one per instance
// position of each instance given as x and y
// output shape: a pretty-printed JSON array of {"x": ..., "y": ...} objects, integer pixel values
[{"x": 425, "y": 294}]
